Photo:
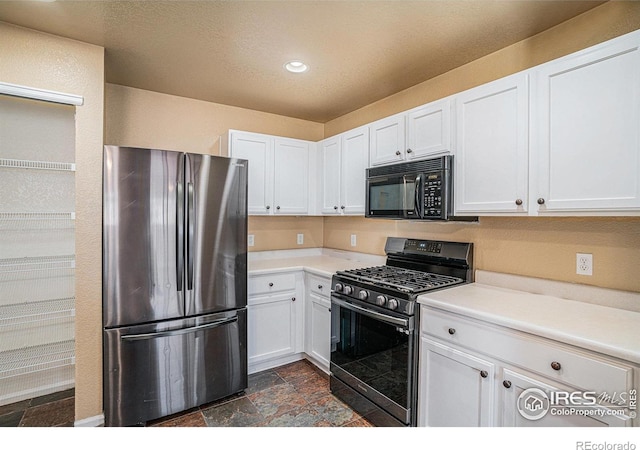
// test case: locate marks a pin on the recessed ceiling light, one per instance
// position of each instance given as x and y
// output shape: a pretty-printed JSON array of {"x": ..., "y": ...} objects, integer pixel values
[{"x": 296, "y": 66}]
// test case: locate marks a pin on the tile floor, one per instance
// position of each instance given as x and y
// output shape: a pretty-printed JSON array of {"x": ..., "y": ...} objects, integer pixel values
[{"x": 294, "y": 395}]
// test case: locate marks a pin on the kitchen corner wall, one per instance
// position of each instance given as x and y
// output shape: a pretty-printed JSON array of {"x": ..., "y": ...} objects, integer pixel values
[{"x": 47, "y": 62}]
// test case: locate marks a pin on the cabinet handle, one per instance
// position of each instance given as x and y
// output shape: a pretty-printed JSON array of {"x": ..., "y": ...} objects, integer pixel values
[
  {"x": 540, "y": 201},
  {"x": 409, "y": 150},
  {"x": 506, "y": 383},
  {"x": 319, "y": 286},
  {"x": 268, "y": 207},
  {"x": 270, "y": 284},
  {"x": 277, "y": 207},
  {"x": 452, "y": 331},
  {"x": 556, "y": 365},
  {"x": 398, "y": 152},
  {"x": 293, "y": 299},
  {"x": 519, "y": 202},
  {"x": 484, "y": 373}
]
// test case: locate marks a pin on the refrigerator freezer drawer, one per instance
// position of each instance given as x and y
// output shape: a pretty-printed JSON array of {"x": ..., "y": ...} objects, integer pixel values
[{"x": 159, "y": 369}]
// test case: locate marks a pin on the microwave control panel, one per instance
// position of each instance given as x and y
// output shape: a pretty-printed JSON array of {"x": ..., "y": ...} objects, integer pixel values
[{"x": 433, "y": 197}]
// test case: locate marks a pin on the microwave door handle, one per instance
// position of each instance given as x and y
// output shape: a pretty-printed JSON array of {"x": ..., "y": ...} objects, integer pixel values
[{"x": 417, "y": 202}]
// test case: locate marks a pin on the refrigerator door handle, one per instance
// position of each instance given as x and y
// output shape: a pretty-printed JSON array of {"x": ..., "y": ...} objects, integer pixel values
[
  {"x": 180, "y": 236},
  {"x": 158, "y": 334},
  {"x": 190, "y": 233}
]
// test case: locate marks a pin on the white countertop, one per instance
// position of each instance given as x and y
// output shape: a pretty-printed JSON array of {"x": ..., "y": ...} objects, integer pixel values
[
  {"x": 611, "y": 331},
  {"x": 321, "y": 262}
]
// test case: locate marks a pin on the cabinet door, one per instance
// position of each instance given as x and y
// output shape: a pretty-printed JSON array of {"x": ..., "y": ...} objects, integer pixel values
[
  {"x": 455, "y": 388},
  {"x": 271, "y": 327},
  {"x": 319, "y": 331},
  {"x": 587, "y": 119},
  {"x": 355, "y": 160},
  {"x": 492, "y": 148},
  {"x": 291, "y": 160},
  {"x": 387, "y": 140},
  {"x": 513, "y": 384},
  {"x": 258, "y": 149},
  {"x": 331, "y": 170},
  {"x": 428, "y": 130}
]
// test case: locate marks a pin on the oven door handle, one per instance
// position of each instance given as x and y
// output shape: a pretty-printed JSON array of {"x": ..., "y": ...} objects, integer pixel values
[{"x": 373, "y": 314}]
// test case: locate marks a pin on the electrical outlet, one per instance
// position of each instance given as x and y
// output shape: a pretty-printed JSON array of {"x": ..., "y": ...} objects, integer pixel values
[
  {"x": 353, "y": 240},
  {"x": 300, "y": 238},
  {"x": 584, "y": 263},
  {"x": 250, "y": 240}
]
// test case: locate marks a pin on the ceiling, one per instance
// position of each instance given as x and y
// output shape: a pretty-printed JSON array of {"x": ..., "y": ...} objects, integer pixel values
[{"x": 233, "y": 52}]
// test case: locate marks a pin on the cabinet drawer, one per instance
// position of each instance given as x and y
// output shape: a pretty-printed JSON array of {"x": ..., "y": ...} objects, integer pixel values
[
  {"x": 267, "y": 284},
  {"x": 579, "y": 368},
  {"x": 319, "y": 285}
]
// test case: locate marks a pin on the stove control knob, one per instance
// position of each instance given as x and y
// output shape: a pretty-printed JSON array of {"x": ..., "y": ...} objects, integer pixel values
[
  {"x": 381, "y": 300},
  {"x": 363, "y": 295},
  {"x": 393, "y": 304},
  {"x": 338, "y": 287},
  {"x": 348, "y": 290}
]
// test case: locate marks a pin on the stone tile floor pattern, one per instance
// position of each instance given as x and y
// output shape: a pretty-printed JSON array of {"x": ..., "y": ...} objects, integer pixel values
[{"x": 294, "y": 395}]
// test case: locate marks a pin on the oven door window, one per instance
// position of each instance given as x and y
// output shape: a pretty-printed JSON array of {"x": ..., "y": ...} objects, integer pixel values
[
  {"x": 375, "y": 352},
  {"x": 392, "y": 196}
]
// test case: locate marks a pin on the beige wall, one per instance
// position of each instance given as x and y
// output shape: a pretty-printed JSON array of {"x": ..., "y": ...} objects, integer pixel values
[
  {"x": 537, "y": 247},
  {"x": 43, "y": 61},
  {"x": 140, "y": 118}
]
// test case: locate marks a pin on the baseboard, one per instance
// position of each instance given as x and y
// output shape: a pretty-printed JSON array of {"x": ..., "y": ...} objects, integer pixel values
[{"x": 95, "y": 421}]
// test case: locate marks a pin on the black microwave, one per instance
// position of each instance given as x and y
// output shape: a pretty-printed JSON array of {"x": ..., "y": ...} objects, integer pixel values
[{"x": 420, "y": 190}]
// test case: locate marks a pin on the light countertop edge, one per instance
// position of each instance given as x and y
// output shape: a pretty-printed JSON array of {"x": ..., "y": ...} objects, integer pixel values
[{"x": 610, "y": 331}]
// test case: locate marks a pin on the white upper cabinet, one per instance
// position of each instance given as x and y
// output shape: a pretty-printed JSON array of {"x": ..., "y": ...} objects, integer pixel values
[
  {"x": 291, "y": 183},
  {"x": 258, "y": 149},
  {"x": 491, "y": 164},
  {"x": 344, "y": 163},
  {"x": 387, "y": 140},
  {"x": 429, "y": 130},
  {"x": 278, "y": 177},
  {"x": 587, "y": 129}
]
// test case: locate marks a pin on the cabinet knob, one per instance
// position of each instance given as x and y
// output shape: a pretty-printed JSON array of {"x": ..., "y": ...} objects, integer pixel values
[
  {"x": 398, "y": 152},
  {"x": 277, "y": 207},
  {"x": 452, "y": 331},
  {"x": 540, "y": 201},
  {"x": 319, "y": 286},
  {"x": 409, "y": 150},
  {"x": 293, "y": 299},
  {"x": 335, "y": 207},
  {"x": 519, "y": 202},
  {"x": 270, "y": 284},
  {"x": 342, "y": 207},
  {"x": 556, "y": 365},
  {"x": 506, "y": 383},
  {"x": 484, "y": 373},
  {"x": 268, "y": 207}
]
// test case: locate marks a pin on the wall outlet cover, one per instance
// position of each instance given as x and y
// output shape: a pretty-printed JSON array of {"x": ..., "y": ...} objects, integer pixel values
[
  {"x": 300, "y": 238},
  {"x": 584, "y": 263},
  {"x": 251, "y": 240},
  {"x": 353, "y": 240}
]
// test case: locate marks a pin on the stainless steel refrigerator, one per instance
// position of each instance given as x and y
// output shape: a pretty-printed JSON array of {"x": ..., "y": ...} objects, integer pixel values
[{"x": 174, "y": 281}]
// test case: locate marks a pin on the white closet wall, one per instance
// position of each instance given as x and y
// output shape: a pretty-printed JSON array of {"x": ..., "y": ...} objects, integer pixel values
[{"x": 37, "y": 248}]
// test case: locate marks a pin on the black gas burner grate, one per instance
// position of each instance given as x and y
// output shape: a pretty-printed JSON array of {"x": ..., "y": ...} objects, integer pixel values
[{"x": 404, "y": 280}]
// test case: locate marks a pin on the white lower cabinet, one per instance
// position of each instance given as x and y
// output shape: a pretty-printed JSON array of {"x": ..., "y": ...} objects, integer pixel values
[
  {"x": 456, "y": 388},
  {"x": 473, "y": 373},
  {"x": 318, "y": 320},
  {"x": 275, "y": 311}
]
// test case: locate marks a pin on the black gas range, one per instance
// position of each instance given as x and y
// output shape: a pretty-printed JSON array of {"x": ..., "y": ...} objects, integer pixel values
[{"x": 374, "y": 325}]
